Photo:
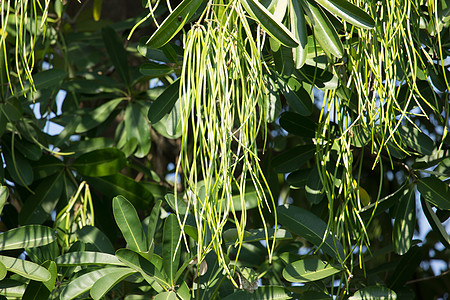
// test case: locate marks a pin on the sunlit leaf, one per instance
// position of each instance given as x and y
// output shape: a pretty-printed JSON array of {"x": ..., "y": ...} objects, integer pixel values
[{"x": 307, "y": 270}]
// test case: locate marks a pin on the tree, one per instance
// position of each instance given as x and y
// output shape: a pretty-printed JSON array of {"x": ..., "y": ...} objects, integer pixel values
[{"x": 224, "y": 149}]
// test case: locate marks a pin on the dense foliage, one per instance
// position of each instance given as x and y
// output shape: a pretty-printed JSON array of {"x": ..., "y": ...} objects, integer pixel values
[{"x": 224, "y": 149}]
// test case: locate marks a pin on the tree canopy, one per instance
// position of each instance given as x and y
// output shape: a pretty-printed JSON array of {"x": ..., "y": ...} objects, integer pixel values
[{"x": 270, "y": 149}]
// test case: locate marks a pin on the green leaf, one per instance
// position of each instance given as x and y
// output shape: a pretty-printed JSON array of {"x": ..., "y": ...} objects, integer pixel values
[
  {"x": 273, "y": 27},
  {"x": 307, "y": 270},
  {"x": 298, "y": 28},
  {"x": 273, "y": 102},
  {"x": 152, "y": 222},
  {"x": 4, "y": 194},
  {"x": 117, "y": 53},
  {"x": 3, "y": 271},
  {"x": 97, "y": 116},
  {"x": 297, "y": 124},
  {"x": 101, "y": 162},
  {"x": 92, "y": 236},
  {"x": 324, "y": 31},
  {"x": 171, "y": 249},
  {"x": 321, "y": 78},
  {"x": 136, "y": 126},
  {"x": 49, "y": 78},
  {"x": 164, "y": 103},
  {"x": 153, "y": 69},
  {"x": 44, "y": 200},
  {"x": 18, "y": 167},
  {"x": 298, "y": 179},
  {"x": 141, "y": 264},
  {"x": 262, "y": 293},
  {"x": 312, "y": 228},
  {"x": 404, "y": 224},
  {"x": 293, "y": 158},
  {"x": 166, "y": 296},
  {"x": 405, "y": 268},
  {"x": 87, "y": 258},
  {"x": 129, "y": 224},
  {"x": 416, "y": 140},
  {"x": 12, "y": 109},
  {"x": 120, "y": 184},
  {"x": 41, "y": 290},
  {"x": 314, "y": 187},
  {"x": 435, "y": 223},
  {"x": 296, "y": 96},
  {"x": 254, "y": 235},
  {"x": 349, "y": 12},
  {"x": 173, "y": 23},
  {"x": 12, "y": 288},
  {"x": 25, "y": 268},
  {"x": 83, "y": 283},
  {"x": 108, "y": 281},
  {"x": 283, "y": 58},
  {"x": 46, "y": 166},
  {"x": 434, "y": 191},
  {"x": 89, "y": 145},
  {"x": 374, "y": 293},
  {"x": 28, "y": 236}
]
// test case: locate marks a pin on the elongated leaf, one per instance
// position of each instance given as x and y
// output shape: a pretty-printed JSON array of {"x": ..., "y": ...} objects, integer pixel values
[
  {"x": 141, "y": 264},
  {"x": 25, "y": 268},
  {"x": 276, "y": 29},
  {"x": 93, "y": 237},
  {"x": 83, "y": 283},
  {"x": 12, "y": 288},
  {"x": 283, "y": 59},
  {"x": 314, "y": 187},
  {"x": 153, "y": 69},
  {"x": 101, "y": 162},
  {"x": 43, "y": 201},
  {"x": 97, "y": 116},
  {"x": 129, "y": 224},
  {"x": 173, "y": 23},
  {"x": 26, "y": 237},
  {"x": 166, "y": 296},
  {"x": 297, "y": 124},
  {"x": 349, "y": 12},
  {"x": 374, "y": 293},
  {"x": 3, "y": 271},
  {"x": 4, "y": 194},
  {"x": 262, "y": 293},
  {"x": 324, "y": 31},
  {"x": 108, "y": 281},
  {"x": 41, "y": 290},
  {"x": 46, "y": 166},
  {"x": 117, "y": 53},
  {"x": 310, "y": 227},
  {"x": 435, "y": 223},
  {"x": 120, "y": 184},
  {"x": 87, "y": 258},
  {"x": 136, "y": 126},
  {"x": 405, "y": 221},
  {"x": 307, "y": 270},
  {"x": 297, "y": 97},
  {"x": 273, "y": 102},
  {"x": 171, "y": 254},
  {"x": 164, "y": 103},
  {"x": 293, "y": 158},
  {"x": 153, "y": 220},
  {"x": 231, "y": 235},
  {"x": 89, "y": 145},
  {"x": 416, "y": 140},
  {"x": 405, "y": 268},
  {"x": 320, "y": 78},
  {"x": 435, "y": 191},
  {"x": 51, "y": 78},
  {"x": 18, "y": 167},
  {"x": 298, "y": 28}
]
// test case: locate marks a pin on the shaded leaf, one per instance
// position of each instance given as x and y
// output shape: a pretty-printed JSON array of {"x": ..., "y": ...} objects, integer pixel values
[
  {"x": 297, "y": 124},
  {"x": 101, "y": 162},
  {"x": 164, "y": 103},
  {"x": 307, "y": 270},
  {"x": 28, "y": 236},
  {"x": 435, "y": 223},
  {"x": 296, "y": 96},
  {"x": 94, "y": 237},
  {"x": 262, "y": 293},
  {"x": 97, "y": 116},
  {"x": 405, "y": 221},
  {"x": 108, "y": 281},
  {"x": 434, "y": 191},
  {"x": 41, "y": 290},
  {"x": 153, "y": 69},
  {"x": 171, "y": 249},
  {"x": 116, "y": 52},
  {"x": 136, "y": 126},
  {"x": 374, "y": 292},
  {"x": 293, "y": 158},
  {"x": 349, "y": 12},
  {"x": 87, "y": 258},
  {"x": 416, "y": 140},
  {"x": 298, "y": 28},
  {"x": 25, "y": 268}
]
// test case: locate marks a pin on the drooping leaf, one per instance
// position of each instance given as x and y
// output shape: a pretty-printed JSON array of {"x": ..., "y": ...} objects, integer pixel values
[
  {"x": 298, "y": 28},
  {"x": 44, "y": 200},
  {"x": 314, "y": 187},
  {"x": 405, "y": 221},
  {"x": 153, "y": 220},
  {"x": 129, "y": 224},
  {"x": 164, "y": 103},
  {"x": 25, "y": 268},
  {"x": 173, "y": 23},
  {"x": 434, "y": 191},
  {"x": 87, "y": 258},
  {"x": 273, "y": 27},
  {"x": 136, "y": 126},
  {"x": 92, "y": 236},
  {"x": 116, "y": 51},
  {"x": 4, "y": 194},
  {"x": 374, "y": 293},
  {"x": 101, "y": 162},
  {"x": 273, "y": 102},
  {"x": 349, "y": 12},
  {"x": 312, "y": 228},
  {"x": 28, "y": 236},
  {"x": 171, "y": 249},
  {"x": 435, "y": 223},
  {"x": 108, "y": 281},
  {"x": 297, "y": 124},
  {"x": 296, "y": 96},
  {"x": 293, "y": 158},
  {"x": 324, "y": 31},
  {"x": 307, "y": 270}
]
